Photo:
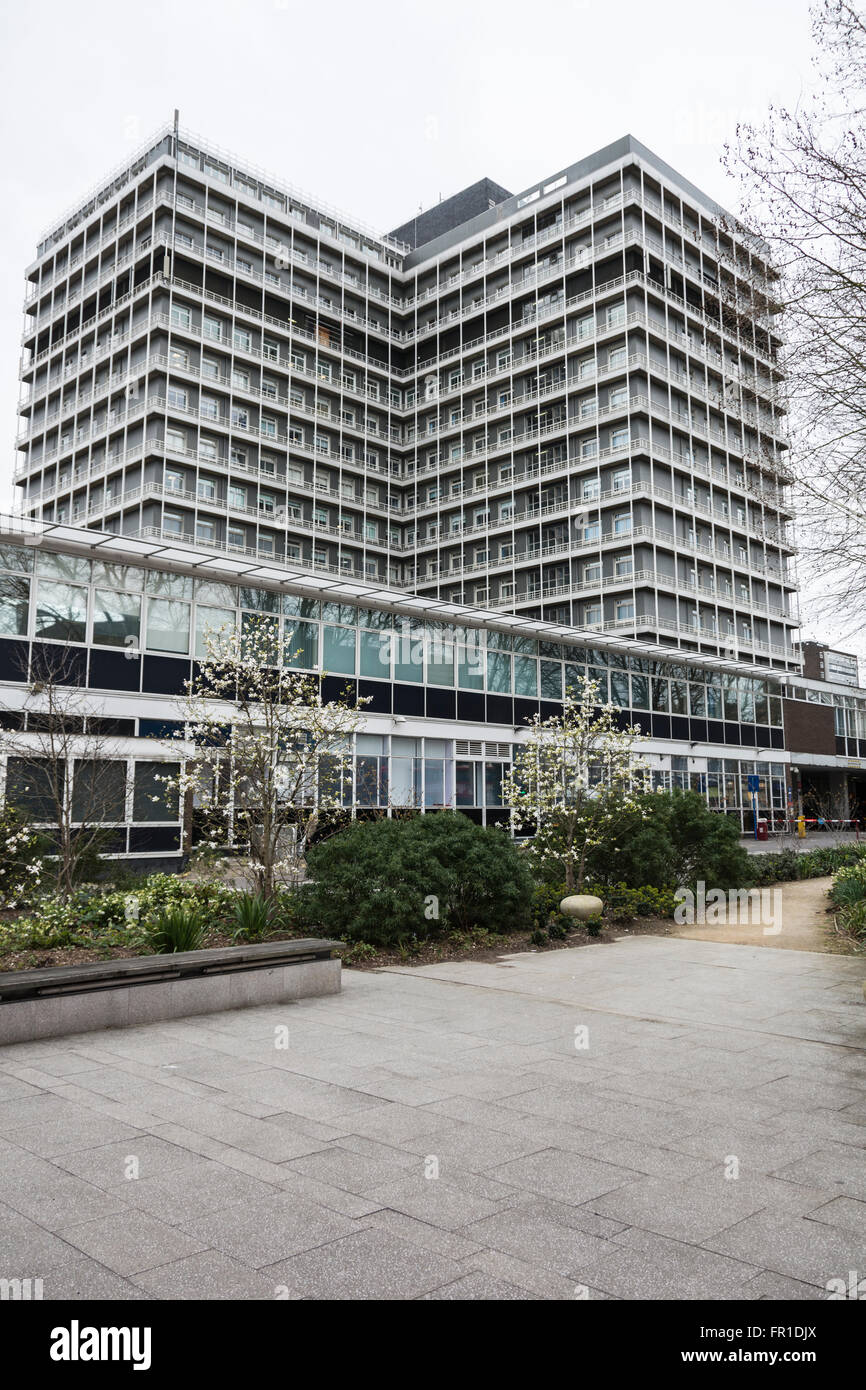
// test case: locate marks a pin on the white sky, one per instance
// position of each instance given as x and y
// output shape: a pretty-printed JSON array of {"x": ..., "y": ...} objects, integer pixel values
[{"x": 377, "y": 109}]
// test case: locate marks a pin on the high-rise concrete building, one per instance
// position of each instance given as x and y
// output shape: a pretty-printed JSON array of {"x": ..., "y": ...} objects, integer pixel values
[{"x": 566, "y": 404}]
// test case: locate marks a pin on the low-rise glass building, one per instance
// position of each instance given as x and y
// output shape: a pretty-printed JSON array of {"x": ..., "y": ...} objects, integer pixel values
[{"x": 120, "y": 621}]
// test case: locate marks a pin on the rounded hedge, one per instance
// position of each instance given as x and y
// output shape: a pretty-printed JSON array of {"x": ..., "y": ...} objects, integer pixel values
[{"x": 390, "y": 881}]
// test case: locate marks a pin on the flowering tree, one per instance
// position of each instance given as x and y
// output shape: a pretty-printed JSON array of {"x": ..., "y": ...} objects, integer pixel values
[
  {"x": 64, "y": 772},
  {"x": 21, "y": 852},
  {"x": 576, "y": 781},
  {"x": 266, "y": 756}
]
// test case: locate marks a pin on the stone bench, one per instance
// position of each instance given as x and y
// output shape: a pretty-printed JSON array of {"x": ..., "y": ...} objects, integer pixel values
[{"x": 50, "y": 1002}]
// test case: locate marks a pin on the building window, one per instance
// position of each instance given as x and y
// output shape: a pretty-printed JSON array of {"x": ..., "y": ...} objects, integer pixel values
[
  {"x": 152, "y": 800},
  {"x": 61, "y": 612},
  {"x": 14, "y": 605},
  {"x": 168, "y": 625}
]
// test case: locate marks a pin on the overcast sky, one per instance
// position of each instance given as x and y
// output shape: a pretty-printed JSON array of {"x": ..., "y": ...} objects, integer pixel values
[{"x": 378, "y": 109}]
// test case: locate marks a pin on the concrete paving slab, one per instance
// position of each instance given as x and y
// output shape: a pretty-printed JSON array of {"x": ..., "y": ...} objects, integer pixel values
[{"x": 302, "y": 1172}]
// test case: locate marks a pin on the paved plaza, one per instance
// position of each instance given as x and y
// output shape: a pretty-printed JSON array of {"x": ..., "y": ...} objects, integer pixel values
[{"x": 657, "y": 1118}]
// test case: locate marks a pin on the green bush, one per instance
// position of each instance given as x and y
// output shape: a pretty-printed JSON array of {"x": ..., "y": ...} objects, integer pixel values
[
  {"x": 546, "y": 898},
  {"x": 539, "y": 937},
  {"x": 788, "y": 865},
  {"x": 852, "y": 919},
  {"x": 623, "y": 904},
  {"x": 593, "y": 926},
  {"x": 391, "y": 881},
  {"x": 180, "y": 927},
  {"x": 849, "y": 885},
  {"x": 671, "y": 838},
  {"x": 559, "y": 927},
  {"x": 253, "y": 916},
  {"x": 96, "y": 917},
  {"x": 21, "y": 852}
]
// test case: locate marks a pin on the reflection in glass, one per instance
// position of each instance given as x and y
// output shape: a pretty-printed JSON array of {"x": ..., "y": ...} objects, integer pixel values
[
  {"x": 499, "y": 672},
  {"x": 338, "y": 655},
  {"x": 212, "y": 627},
  {"x": 99, "y": 791},
  {"x": 61, "y": 612},
  {"x": 525, "y": 678},
  {"x": 116, "y": 618},
  {"x": 301, "y": 646},
  {"x": 14, "y": 604},
  {"x": 376, "y": 655},
  {"x": 152, "y": 800},
  {"x": 167, "y": 625}
]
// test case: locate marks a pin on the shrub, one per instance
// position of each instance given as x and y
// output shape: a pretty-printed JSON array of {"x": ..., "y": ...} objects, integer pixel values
[
  {"x": 593, "y": 926},
  {"x": 852, "y": 919},
  {"x": 559, "y": 927},
  {"x": 849, "y": 885},
  {"x": 546, "y": 898},
  {"x": 253, "y": 916},
  {"x": 180, "y": 927},
  {"x": 788, "y": 864},
  {"x": 671, "y": 838},
  {"x": 389, "y": 881},
  {"x": 96, "y": 917},
  {"x": 357, "y": 951},
  {"x": 21, "y": 851},
  {"x": 622, "y": 903},
  {"x": 539, "y": 937}
]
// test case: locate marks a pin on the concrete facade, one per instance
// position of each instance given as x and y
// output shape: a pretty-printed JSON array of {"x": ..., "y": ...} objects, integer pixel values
[{"x": 569, "y": 405}]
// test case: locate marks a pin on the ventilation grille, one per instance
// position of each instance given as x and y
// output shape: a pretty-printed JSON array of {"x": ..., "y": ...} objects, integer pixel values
[{"x": 470, "y": 748}]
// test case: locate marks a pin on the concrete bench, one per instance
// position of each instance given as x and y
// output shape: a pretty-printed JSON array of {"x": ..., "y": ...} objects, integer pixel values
[{"x": 50, "y": 1002}]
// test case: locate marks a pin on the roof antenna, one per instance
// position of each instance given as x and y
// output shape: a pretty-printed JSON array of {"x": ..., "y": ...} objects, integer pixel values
[{"x": 176, "y": 129}]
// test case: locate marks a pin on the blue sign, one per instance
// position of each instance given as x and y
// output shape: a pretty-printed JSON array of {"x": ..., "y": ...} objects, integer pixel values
[{"x": 754, "y": 783}]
